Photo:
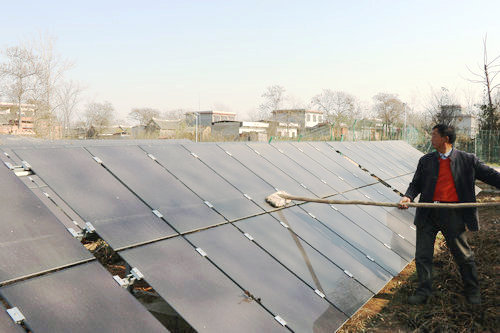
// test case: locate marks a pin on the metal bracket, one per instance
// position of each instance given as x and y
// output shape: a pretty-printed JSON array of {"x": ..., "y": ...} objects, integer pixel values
[
  {"x": 135, "y": 275},
  {"x": 6, "y": 154},
  {"x": 317, "y": 148},
  {"x": 281, "y": 151},
  {"x": 151, "y": 156},
  {"x": 46, "y": 194},
  {"x": 370, "y": 258},
  {"x": 26, "y": 166},
  {"x": 247, "y": 196},
  {"x": 208, "y": 204},
  {"x": 311, "y": 215},
  {"x": 9, "y": 165},
  {"x": 284, "y": 224},
  {"x": 334, "y": 208},
  {"x": 194, "y": 155},
  {"x": 280, "y": 320},
  {"x": 387, "y": 246},
  {"x": 303, "y": 185},
  {"x": 300, "y": 149},
  {"x": 401, "y": 236},
  {"x": 157, "y": 213},
  {"x": 324, "y": 182},
  {"x": 340, "y": 178},
  {"x": 89, "y": 229},
  {"x": 320, "y": 294},
  {"x": 367, "y": 196},
  {"x": 349, "y": 274},
  {"x": 97, "y": 159},
  {"x": 247, "y": 235},
  {"x": 228, "y": 153},
  {"x": 201, "y": 252},
  {"x": 256, "y": 152},
  {"x": 16, "y": 315},
  {"x": 413, "y": 228}
]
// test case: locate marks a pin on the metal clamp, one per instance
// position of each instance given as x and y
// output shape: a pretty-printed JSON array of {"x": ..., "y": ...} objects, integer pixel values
[
  {"x": 16, "y": 315},
  {"x": 135, "y": 275},
  {"x": 89, "y": 229}
]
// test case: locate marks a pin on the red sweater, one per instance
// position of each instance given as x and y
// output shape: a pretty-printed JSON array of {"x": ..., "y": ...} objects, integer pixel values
[{"x": 445, "y": 187}]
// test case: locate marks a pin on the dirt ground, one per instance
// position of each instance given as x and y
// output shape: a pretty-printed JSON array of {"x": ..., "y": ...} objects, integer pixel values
[{"x": 447, "y": 310}]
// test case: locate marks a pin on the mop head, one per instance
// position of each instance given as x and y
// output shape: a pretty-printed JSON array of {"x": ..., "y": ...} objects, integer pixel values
[{"x": 276, "y": 200}]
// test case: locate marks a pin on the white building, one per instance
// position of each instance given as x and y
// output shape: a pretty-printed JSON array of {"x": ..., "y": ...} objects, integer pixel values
[
  {"x": 305, "y": 118},
  {"x": 206, "y": 118},
  {"x": 237, "y": 129}
]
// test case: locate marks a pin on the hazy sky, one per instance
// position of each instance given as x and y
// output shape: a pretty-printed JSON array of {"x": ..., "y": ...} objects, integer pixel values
[{"x": 190, "y": 54}]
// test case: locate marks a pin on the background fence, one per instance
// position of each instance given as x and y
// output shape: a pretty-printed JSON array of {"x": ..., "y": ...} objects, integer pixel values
[{"x": 485, "y": 144}]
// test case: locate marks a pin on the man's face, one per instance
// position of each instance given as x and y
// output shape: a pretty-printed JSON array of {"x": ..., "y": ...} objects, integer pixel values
[{"x": 438, "y": 142}]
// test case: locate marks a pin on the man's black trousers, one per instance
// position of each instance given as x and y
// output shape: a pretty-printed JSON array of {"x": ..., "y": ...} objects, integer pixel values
[{"x": 451, "y": 225}]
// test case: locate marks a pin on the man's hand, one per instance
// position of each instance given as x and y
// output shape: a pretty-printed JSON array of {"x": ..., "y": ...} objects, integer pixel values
[{"x": 403, "y": 202}]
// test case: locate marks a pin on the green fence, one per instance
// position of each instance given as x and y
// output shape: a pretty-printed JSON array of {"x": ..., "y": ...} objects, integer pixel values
[{"x": 485, "y": 144}]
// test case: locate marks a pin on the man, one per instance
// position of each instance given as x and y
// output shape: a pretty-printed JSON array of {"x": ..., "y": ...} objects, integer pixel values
[{"x": 446, "y": 175}]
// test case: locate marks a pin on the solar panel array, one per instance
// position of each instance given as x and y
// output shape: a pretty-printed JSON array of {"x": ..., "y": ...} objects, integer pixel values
[{"x": 192, "y": 219}]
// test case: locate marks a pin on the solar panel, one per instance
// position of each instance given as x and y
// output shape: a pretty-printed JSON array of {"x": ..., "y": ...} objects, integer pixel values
[
  {"x": 380, "y": 231},
  {"x": 7, "y": 325},
  {"x": 338, "y": 250},
  {"x": 83, "y": 298},
  {"x": 384, "y": 217},
  {"x": 265, "y": 170},
  {"x": 321, "y": 171},
  {"x": 278, "y": 290},
  {"x": 119, "y": 217},
  {"x": 61, "y": 216},
  {"x": 392, "y": 154},
  {"x": 382, "y": 193},
  {"x": 225, "y": 198},
  {"x": 373, "y": 166},
  {"x": 293, "y": 169},
  {"x": 349, "y": 170},
  {"x": 182, "y": 208},
  {"x": 199, "y": 292},
  {"x": 234, "y": 172},
  {"x": 352, "y": 175},
  {"x": 358, "y": 238},
  {"x": 307, "y": 263},
  {"x": 378, "y": 155},
  {"x": 31, "y": 238}
]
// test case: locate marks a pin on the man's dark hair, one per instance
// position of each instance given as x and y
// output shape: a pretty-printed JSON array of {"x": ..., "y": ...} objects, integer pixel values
[{"x": 446, "y": 130}]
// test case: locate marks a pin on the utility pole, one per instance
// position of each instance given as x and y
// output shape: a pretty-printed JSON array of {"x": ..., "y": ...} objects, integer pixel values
[{"x": 406, "y": 135}]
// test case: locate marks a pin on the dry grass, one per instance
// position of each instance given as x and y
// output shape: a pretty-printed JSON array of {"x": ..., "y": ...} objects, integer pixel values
[{"x": 447, "y": 310}]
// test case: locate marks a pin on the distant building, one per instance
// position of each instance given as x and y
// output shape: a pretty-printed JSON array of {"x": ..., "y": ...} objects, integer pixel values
[
  {"x": 237, "y": 130},
  {"x": 305, "y": 118},
  {"x": 206, "y": 118},
  {"x": 466, "y": 123},
  {"x": 283, "y": 129},
  {"x": 463, "y": 121},
  {"x": 9, "y": 118},
  {"x": 163, "y": 128}
]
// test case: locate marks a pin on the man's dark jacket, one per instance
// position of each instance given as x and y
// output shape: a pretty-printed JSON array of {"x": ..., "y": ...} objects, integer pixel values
[{"x": 465, "y": 168}]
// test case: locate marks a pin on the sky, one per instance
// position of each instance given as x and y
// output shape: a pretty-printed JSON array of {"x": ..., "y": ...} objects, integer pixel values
[{"x": 205, "y": 55}]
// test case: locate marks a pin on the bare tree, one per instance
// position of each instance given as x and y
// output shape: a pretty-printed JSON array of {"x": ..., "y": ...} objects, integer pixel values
[
  {"x": 175, "y": 114},
  {"x": 273, "y": 100},
  {"x": 389, "y": 108},
  {"x": 143, "y": 115},
  {"x": 338, "y": 106},
  {"x": 50, "y": 79},
  {"x": 442, "y": 106},
  {"x": 19, "y": 75},
  {"x": 488, "y": 71},
  {"x": 68, "y": 99},
  {"x": 98, "y": 116}
]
